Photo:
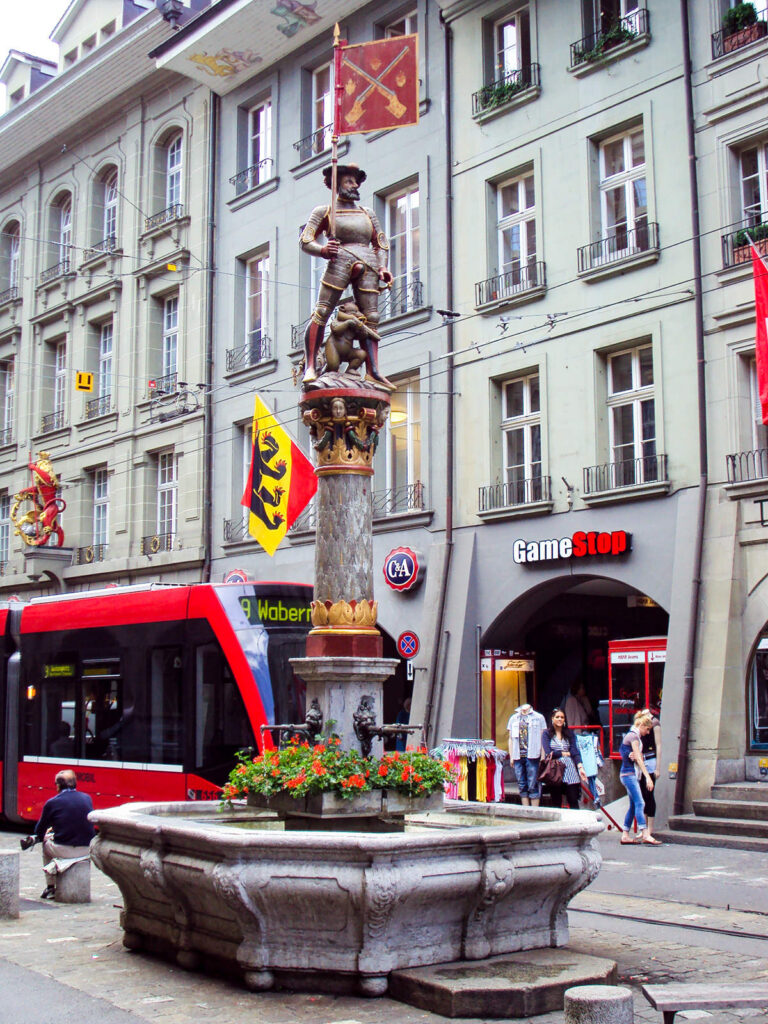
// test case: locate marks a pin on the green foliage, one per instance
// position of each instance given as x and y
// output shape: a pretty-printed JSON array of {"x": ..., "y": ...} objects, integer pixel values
[
  {"x": 496, "y": 94},
  {"x": 614, "y": 36},
  {"x": 741, "y": 16},
  {"x": 303, "y": 770},
  {"x": 756, "y": 233}
]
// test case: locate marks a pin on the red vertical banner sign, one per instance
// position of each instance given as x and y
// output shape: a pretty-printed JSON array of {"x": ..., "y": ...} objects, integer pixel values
[
  {"x": 760, "y": 273},
  {"x": 379, "y": 85}
]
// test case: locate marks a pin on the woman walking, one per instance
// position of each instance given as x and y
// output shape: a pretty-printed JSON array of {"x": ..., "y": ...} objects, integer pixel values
[
  {"x": 631, "y": 751},
  {"x": 559, "y": 741}
]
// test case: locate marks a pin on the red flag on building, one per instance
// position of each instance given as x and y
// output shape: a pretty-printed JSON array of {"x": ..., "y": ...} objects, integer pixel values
[
  {"x": 379, "y": 85},
  {"x": 760, "y": 273}
]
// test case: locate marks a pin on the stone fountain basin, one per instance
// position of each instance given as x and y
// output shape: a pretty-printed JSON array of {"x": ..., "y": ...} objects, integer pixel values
[{"x": 339, "y": 911}]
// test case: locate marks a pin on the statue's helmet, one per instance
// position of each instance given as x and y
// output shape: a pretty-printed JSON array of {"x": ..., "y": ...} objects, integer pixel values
[{"x": 341, "y": 170}]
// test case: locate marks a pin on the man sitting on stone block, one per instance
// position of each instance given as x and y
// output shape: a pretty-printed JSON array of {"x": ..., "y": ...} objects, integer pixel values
[{"x": 63, "y": 829}]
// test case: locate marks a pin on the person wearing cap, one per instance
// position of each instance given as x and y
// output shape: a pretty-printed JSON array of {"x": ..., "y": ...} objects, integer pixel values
[{"x": 356, "y": 255}]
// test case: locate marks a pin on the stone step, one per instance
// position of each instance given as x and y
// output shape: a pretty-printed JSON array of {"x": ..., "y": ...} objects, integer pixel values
[
  {"x": 752, "y": 791},
  {"x": 741, "y": 809},
  {"x": 718, "y": 826},
  {"x": 728, "y": 842}
]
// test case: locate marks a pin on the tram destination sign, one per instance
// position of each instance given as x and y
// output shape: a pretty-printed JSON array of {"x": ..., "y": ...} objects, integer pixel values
[
  {"x": 276, "y": 611},
  {"x": 581, "y": 544}
]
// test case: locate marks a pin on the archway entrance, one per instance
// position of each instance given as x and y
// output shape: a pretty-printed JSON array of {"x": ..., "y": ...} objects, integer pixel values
[{"x": 555, "y": 636}]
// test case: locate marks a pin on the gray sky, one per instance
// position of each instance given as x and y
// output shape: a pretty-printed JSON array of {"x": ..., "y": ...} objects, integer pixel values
[{"x": 26, "y": 25}]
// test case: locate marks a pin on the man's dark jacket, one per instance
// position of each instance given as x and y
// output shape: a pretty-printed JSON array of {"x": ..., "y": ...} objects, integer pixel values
[{"x": 67, "y": 814}]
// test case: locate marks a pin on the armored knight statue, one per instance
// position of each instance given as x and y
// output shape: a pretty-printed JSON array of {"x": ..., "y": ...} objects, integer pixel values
[{"x": 356, "y": 256}]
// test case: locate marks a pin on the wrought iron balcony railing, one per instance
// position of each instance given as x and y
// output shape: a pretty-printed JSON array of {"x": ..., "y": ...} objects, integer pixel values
[
  {"x": 735, "y": 244},
  {"x": 745, "y": 466},
  {"x": 172, "y": 212},
  {"x": 6, "y": 436},
  {"x": 317, "y": 142},
  {"x": 9, "y": 295},
  {"x": 297, "y": 334},
  {"x": 106, "y": 245},
  {"x": 236, "y": 530},
  {"x": 156, "y": 542},
  {"x": 306, "y": 521},
  {"x": 52, "y": 421},
  {"x": 624, "y": 30},
  {"x": 726, "y": 41},
  {"x": 100, "y": 406},
  {"x": 505, "y": 89},
  {"x": 612, "y": 476},
  {"x": 515, "y": 281},
  {"x": 166, "y": 385},
  {"x": 623, "y": 241},
  {"x": 90, "y": 553},
  {"x": 514, "y": 493},
  {"x": 253, "y": 175},
  {"x": 402, "y": 297},
  {"x": 258, "y": 350},
  {"x": 57, "y": 270},
  {"x": 394, "y": 500}
]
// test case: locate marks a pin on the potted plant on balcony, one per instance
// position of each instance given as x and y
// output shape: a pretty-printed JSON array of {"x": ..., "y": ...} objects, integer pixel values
[
  {"x": 741, "y": 26},
  {"x": 741, "y": 249},
  {"x": 502, "y": 91},
  {"x": 616, "y": 35}
]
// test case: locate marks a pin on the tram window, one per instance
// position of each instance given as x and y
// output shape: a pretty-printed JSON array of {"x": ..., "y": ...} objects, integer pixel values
[
  {"x": 165, "y": 726},
  {"x": 104, "y": 722},
  {"x": 50, "y": 719},
  {"x": 222, "y": 726}
]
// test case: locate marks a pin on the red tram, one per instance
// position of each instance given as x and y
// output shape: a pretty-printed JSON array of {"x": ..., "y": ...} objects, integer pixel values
[{"x": 147, "y": 692}]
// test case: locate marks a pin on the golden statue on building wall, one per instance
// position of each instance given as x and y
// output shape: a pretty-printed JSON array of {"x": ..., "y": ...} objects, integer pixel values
[{"x": 39, "y": 522}]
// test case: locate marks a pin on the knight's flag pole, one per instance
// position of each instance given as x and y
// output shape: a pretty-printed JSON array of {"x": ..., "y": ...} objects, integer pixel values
[{"x": 338, "y": 43}]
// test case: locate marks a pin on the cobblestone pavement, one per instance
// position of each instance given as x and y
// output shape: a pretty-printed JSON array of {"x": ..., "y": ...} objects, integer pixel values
[{"x": 81, "y": 947}]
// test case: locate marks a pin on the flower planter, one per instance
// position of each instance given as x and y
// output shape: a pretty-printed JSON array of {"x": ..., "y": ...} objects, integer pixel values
[
  {"x": 333, "y": 812},
  {"x": 743, "y": 253},
  {"x": 745, "y": 36}
]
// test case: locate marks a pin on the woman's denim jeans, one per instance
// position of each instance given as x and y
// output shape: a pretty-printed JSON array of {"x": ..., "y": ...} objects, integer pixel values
[
  {"x": 636, "y": 803},
  {"x": 527, "y": 772}
]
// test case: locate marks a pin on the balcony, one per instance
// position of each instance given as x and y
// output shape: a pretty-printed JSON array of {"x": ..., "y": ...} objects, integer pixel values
[
  {"x": 745, "y": 467},
  {"x": 616, "y": 476},
  {"x": 9, "y": 295},
  {"x": 156, "y": 542},
  {"x": 6, "y": 436},
  {"x": 297, "y": 335},
  {"x": 597, "y": 47},
  {"x": 513, "y": 283},
  {"x": 90, "y": 553},
  {"x": 503, "y": 91},
  {"x": 403, "y": 297},
  {"x": 100, "y": 406},
  {"x": 624, "y": 244},
  {"x": 306, "y": 521},
  {"x": 57, "y": 270},
  {"x": 254, "y": 175},
  {"x": 318, "y": 142},
  {"x": 736, "y": 248},
  {"x": 102, "y": 248},
  {"x": 727, "y": 40},
  {"x": 52, "y": 421},
  {"x": 173, "y": 212},
  {"x": 257, "y": 351},
  {"x": 514, "y": 494},
  {"x": 166, "y": 385},
  {"x": 397, "y": 500}
]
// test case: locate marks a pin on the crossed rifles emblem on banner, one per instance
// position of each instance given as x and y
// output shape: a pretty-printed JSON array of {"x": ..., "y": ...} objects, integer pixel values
[{"x": 394, "y": 106}]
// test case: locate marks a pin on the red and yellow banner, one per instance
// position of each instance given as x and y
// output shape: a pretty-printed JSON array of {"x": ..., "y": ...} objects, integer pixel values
[
  {"x": 760, "y": 273},
  {"x": 379, "y": 85},
  {"x": 281, "y": 480}
]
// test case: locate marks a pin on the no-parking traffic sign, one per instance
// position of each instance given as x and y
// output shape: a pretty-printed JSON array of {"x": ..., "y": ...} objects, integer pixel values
[{"x": 408, "y": 644}]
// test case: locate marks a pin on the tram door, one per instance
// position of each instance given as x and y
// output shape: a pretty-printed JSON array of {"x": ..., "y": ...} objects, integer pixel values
[{"x": 506, "y": 681}]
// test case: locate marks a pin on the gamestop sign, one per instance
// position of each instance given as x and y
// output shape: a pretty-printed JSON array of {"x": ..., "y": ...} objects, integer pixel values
[{"x": 580, "y": 545}]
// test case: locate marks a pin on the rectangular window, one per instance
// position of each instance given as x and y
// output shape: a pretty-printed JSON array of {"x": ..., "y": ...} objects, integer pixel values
[
  {"x": 521, "y": 430},
  {"x": 754, "y": 184},
  {"x": 110, "y": 208},
  {"x": 7, "y": 400},
  {"x": 403, "y": 231},
  {"x": 257, "y": 308},
  {"x": 104, "y": 383},
  {"x": 511, "y": 44},
  {"x": 402, "y": 448},
  {"x": 60, "y": 377},
  {"x": 166, "y": 494},
  {"x": 170, "y": 340},
  {"x": 623, "y": 196},
  {"x": 632, "y": 417},
  {"x": 5, "y": 528},
  {"x": 14, "y": 254},
  {"x": 602, "y": 15},
  {"x": 173, "y": 167},
  {"x": 516, "y": 231},
  {"x": 405, "y": 26},
  {"x": 322, "y": 107},
  {"x": 101, "y": 506},
  {"x": 260, "y": 144}
]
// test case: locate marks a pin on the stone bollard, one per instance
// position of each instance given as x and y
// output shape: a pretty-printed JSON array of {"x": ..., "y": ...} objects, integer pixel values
[
  {"x": 9, "y": 884},
  {"x": 74, "y": 884},
  {"x": 598, "y": 1004}
]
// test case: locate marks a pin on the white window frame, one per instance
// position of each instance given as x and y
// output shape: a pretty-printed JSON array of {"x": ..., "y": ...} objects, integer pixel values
[
  {"x": 14, "y": 256},
  {"x": 167, "y": 493},
  {"x": 626, "y": 180},
  {"x": 60, "y": 377},
  {"x": 507, "y": 55},
  {"x": 260, "y": 143},
  {"x": 322, "y": 104},
  {"x": 5, "y": 528},
  {"x": 749, "y": 213},
  {"x": 8, "y": 369},
  {"x": 101, "y": 506},
  {"x": 65, "y": 230},
  {"x": 409, "y": 22},
  {"x": 526, "y": 215},
  {"x": 110, "y": 207},
  {"x": 174, "y": 164},
  {"x": 106, "y": 352},
  {"x": 170, "y": 340},
  {"x": 528, "y": 487},
  {"x": 405, "y": 245},
  {"x": 410, "y": 388},
  {"x": 257, "y": 291},
  {"x": 635, "y": 396}
]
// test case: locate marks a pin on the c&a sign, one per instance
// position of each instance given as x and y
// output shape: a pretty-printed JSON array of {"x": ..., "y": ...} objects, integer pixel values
[{"x": 402, "y": 569}]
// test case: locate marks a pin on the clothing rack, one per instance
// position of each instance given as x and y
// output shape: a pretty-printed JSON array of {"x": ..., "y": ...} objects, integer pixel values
[{"x": 478, "y": 767}]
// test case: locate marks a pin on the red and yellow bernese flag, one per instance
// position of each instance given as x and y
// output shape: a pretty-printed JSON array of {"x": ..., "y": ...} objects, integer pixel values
[
  {"x": 281, "y": 480},
  {"x": 378, "y": 85}
]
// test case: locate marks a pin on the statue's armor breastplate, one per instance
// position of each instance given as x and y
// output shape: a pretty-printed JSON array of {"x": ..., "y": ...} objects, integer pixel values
[{"x": 354, "y": 231}]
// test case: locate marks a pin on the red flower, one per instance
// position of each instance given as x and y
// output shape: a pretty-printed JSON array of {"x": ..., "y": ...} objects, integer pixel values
[
  {"x": 275, "y": 773},
  {"x": 319, "y": 749},
  {"x": 383, "y": 770},
  {"x": 417, "y": 777},
  {"x": 241, "y": 769},
  {"x": 318, "y": 768}
]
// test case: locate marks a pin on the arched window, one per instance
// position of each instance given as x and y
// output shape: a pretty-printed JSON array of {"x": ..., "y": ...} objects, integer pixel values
[
  {"x": 110, "y": 209},
  {"x": 65, "y": 230},
  {"x": 173, "y": 169},
  {"x": 10, "y": 256}
]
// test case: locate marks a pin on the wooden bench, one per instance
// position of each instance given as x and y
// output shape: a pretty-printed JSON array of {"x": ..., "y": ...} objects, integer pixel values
[{"x": 671, "y": 998}]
